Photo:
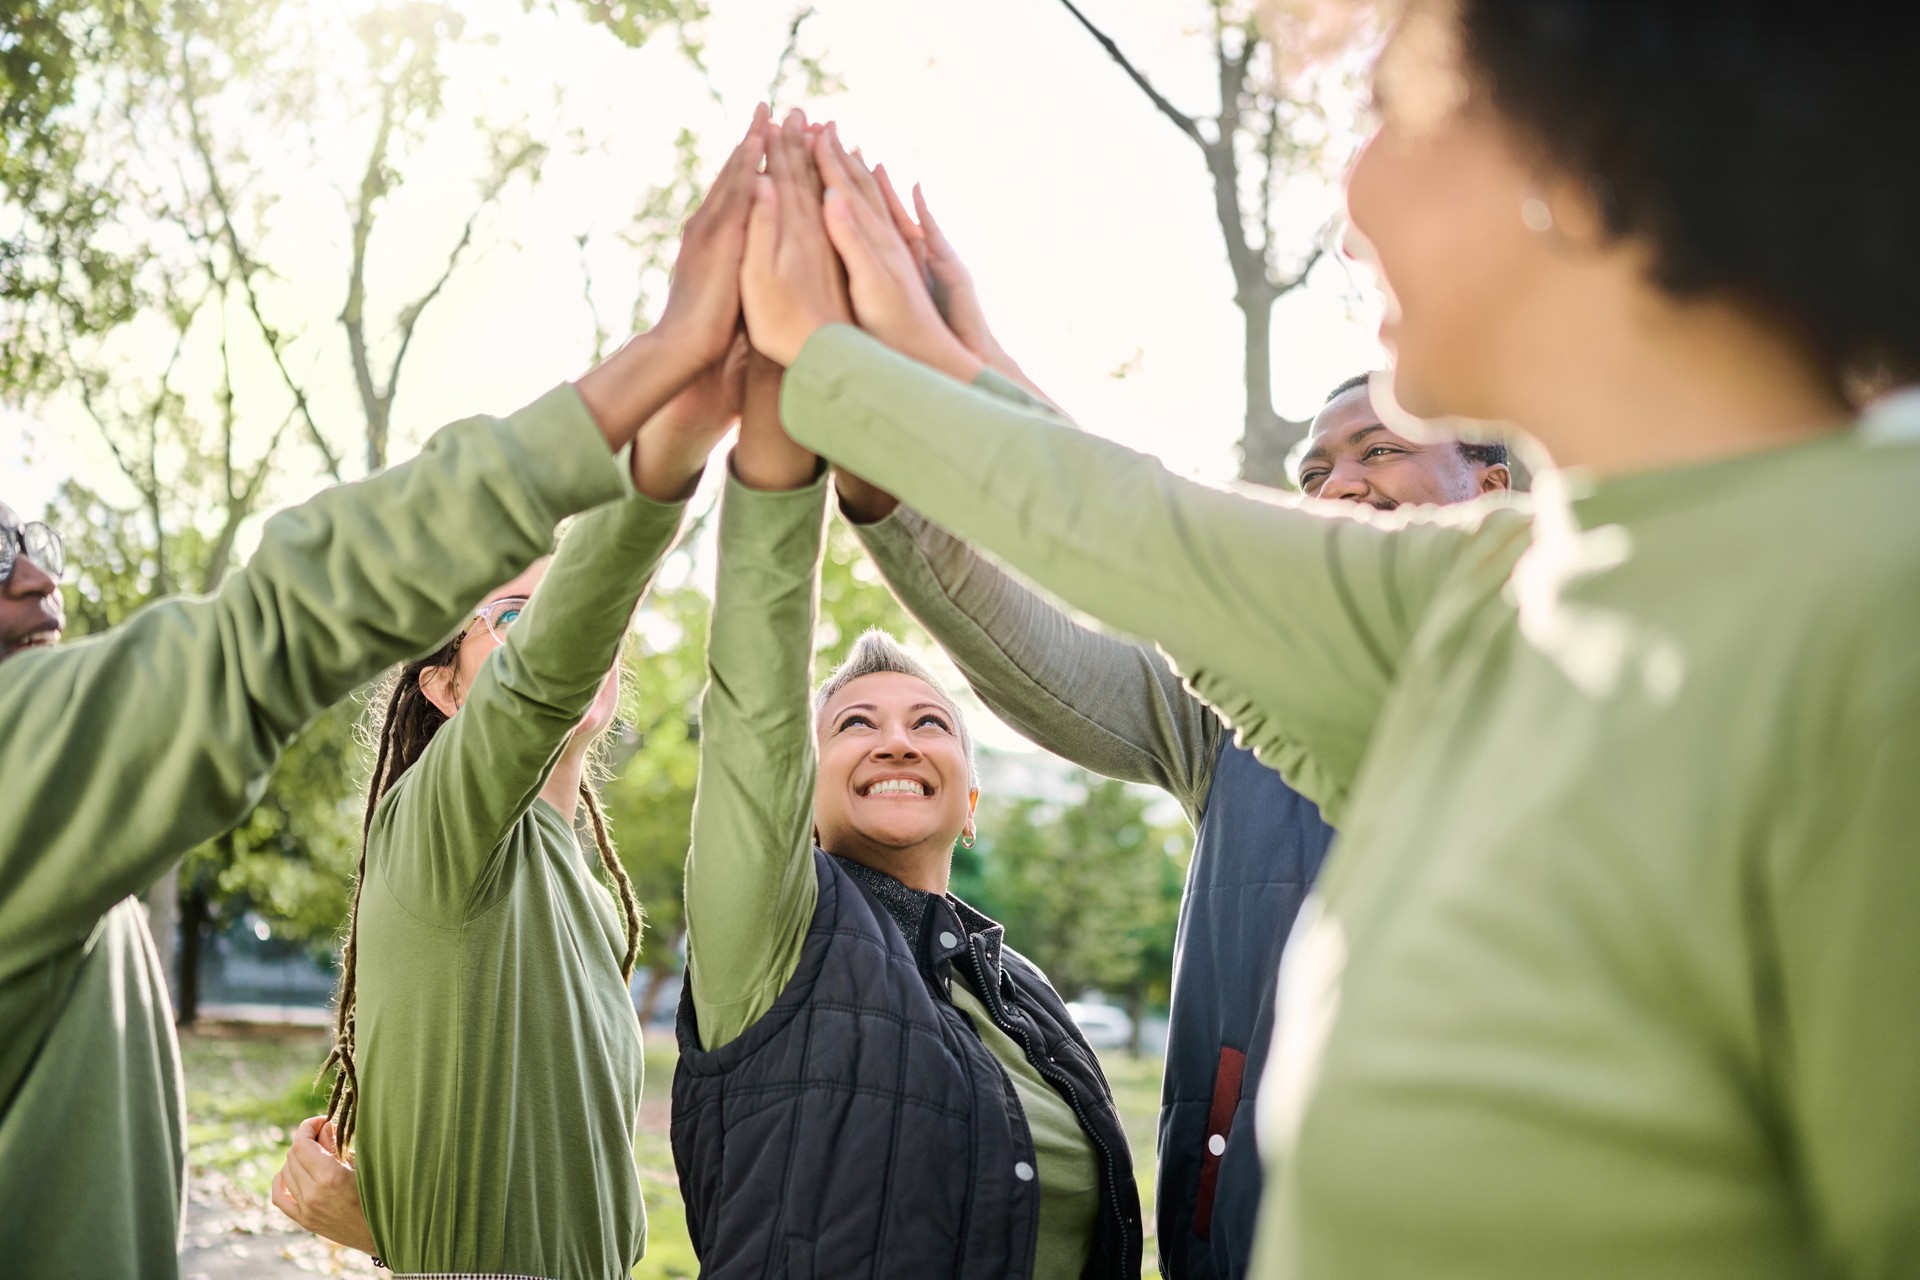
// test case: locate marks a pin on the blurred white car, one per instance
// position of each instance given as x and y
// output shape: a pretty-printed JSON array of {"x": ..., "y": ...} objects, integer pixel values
[{"x": 1104, "y": 1026}]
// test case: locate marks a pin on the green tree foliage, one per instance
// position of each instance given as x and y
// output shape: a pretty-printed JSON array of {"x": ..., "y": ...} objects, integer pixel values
[
  {"x": 1088, "y": 890},
  {"x": 140, "y": 146}
]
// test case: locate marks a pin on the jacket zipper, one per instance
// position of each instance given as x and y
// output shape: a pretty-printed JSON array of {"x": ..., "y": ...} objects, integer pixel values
[{"x": 1061, "y": 1081}]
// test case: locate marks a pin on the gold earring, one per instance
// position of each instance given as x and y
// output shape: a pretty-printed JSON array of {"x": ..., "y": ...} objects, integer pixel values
[{"x": 966, "y": 839}]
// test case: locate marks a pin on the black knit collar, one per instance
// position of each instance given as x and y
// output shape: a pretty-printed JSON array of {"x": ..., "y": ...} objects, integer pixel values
[{"x": 909, "y": 906}]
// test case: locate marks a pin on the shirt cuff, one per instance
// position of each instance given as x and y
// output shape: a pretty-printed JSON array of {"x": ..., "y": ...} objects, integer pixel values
[
  {"x": 777, "y": 526},
  {"x": 563, "y": 459}
]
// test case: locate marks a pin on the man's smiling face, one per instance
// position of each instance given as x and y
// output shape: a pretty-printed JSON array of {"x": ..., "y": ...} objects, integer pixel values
[
  {"x": 32, "y": 614},
  {"x": 1352, "y": 457}
]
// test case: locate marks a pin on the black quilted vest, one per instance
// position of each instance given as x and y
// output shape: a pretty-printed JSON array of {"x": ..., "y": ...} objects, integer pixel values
[{"x": 862, "y": 1129}]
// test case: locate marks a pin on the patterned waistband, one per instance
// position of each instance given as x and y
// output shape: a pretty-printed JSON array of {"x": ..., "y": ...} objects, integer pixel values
[{"x": 461, "y": 1275}]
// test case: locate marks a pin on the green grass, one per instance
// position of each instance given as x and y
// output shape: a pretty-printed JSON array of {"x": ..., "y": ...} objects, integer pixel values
[
  {"x": 248, "y": 1088},
  {"x": 246, "y": 1091}
]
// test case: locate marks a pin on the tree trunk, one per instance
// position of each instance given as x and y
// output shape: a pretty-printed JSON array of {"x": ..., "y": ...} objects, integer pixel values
[
  {"x": 650, "y": 1002},
  {"x": 163, "y": 920},
  {"x": 1137, "y": 1010},
  {"x": 1266, "y": 437},
  {"x": 193, "y": 925}
]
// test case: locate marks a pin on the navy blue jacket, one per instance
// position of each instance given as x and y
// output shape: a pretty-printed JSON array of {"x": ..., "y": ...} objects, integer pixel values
[{"x": 1256, "y": 851}]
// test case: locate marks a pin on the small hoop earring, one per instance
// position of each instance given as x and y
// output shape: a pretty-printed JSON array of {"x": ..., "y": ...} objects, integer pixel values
[
  {"x": 966, "y": 839},
  {"x": 1537, "y": 215}
]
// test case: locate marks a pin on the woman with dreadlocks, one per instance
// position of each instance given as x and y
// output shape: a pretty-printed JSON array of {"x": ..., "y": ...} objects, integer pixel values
[{"x": 488, "y": 1063}]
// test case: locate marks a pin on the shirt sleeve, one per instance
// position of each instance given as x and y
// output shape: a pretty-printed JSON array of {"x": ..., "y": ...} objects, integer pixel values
[
  {"x": 1106, "y": 704},
  {"x": 123, "y": 751},
  {"x": 486, "y": 765},
  {"x": 751, "y": 887},
  {"x": 1844, "y": 988},
  {"x": 1290, "y": 619}
]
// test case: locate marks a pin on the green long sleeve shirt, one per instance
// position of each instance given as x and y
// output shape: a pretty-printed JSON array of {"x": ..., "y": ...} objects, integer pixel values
[
  {"x": 498, "y": 1053},
  {"x": 751, "y": 889},
  {"x": 1617, "y": 969},
  {"x": 119, "y": 753}
]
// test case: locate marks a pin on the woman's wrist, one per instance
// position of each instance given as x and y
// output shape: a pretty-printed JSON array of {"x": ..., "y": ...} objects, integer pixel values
[
  {"x": 630, "y": 386},
  {"x": 771, "y": 468},
  {"x": 667, "y": 463}
]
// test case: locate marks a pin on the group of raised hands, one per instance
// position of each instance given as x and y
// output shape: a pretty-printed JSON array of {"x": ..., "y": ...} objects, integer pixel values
[{"x": 796, "y": 233}]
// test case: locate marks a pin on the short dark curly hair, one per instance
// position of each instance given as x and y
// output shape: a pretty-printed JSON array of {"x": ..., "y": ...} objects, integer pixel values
[
  {"x": 1754, "y": 147},
  {"x": 1481, "y": 453}
]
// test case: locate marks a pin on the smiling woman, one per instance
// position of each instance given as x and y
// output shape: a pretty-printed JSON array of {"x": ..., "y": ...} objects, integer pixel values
[
  {"x": 897, "y": 779},
  {"x": 870, "y": 1081}
]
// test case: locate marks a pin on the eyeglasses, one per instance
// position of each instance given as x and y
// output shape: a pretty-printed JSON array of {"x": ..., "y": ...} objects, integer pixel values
[
  {"x": 37, "y": 542},
  {"x": 498, "y": 615}
]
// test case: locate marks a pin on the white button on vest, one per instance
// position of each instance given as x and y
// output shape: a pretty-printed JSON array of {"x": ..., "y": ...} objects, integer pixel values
[
  {"x": 1023, "y": 1171},
  {"x": 948, "y": 940},
  {"x": 1217, "y": 1145}
]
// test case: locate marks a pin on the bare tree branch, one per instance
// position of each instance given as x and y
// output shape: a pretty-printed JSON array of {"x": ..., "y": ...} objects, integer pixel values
[
  {"x": 145, "y": 480},
  {"x": 244, "y": 268},
  {"x": 1287, "y": 284},
  {"x": 240, "y": 505},
  {"x": 525, "y": 154},
  {"x": 600, "y": 334},
  {"x": 788, "y": 52},
  {"x": 353, "y": 314},
  {"x": 1186, "y": 123},
  {"x": 1269, "y": 154}
]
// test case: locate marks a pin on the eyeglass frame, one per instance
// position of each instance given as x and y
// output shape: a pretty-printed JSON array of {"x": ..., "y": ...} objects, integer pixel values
[
  {"x": 13, "y": 546},
  {"x": 498, "y": 633}
]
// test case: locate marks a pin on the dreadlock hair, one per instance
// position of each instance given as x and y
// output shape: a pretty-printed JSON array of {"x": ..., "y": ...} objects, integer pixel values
[{"x": 400, "y": 736}]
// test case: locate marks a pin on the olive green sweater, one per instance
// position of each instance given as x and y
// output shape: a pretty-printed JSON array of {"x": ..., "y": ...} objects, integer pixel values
[
  {"x": 498, "y": 1052},
  {"x": 1615, "y": 970},
  {"x": 121, "y": 752}
]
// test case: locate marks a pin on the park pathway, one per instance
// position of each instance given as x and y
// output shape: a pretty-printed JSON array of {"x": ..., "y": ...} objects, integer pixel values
[{"x": 232, "y": 1234}]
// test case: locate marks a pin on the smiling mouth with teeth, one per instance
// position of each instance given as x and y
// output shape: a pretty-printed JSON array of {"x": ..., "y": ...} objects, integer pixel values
[
  {"x": 36, "y": 640},
  {"x": 895, "y": 787}
]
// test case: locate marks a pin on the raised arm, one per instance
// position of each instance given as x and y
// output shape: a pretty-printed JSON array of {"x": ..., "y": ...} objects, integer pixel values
[
  {"x": 118, "y": 754},
  {"x": 484, "y": 767},
  {"x": 1292, "y": 621},
  {"x": 1106, "y": 704},
  {"x": 122, "y": 752},
  {"x": 750, "y": 881}
]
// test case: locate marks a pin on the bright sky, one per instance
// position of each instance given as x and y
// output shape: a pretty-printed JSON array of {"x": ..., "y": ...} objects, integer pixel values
[{"x": 1086, "y": 217}]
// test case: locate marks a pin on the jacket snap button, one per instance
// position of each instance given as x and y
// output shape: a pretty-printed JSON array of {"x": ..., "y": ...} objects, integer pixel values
[
  {"x": 948, "y": 940},
  {"x": 1217, "y": 1144},
  {"x": 1023, "y": 1171}
]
